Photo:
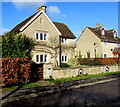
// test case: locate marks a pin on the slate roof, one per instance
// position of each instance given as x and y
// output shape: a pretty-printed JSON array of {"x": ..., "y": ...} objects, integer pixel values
[
  {"x": 108, "y": 37},
  {"x": 65, "y": 31},
  {"x": 17, "y": 27}
]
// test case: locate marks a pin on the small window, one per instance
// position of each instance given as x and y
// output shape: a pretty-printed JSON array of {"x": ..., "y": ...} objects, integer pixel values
[
  {"x": 64, "y": 58},
  {"x": 105, "y": 55},
  {"x": 63, "y": 40},
  {"x": 41, "y": 36}
]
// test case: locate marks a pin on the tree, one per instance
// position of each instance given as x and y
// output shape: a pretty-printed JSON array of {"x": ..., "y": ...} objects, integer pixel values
[
  {"x": 16, "y": 45},
  {"x": 54, "y": 43}
]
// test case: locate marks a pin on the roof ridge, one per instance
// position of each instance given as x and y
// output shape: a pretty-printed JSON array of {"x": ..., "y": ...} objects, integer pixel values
[{"x": 60, "y": 23}]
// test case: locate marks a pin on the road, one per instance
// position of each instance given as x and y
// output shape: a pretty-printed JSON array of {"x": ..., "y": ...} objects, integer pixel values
[{"x": 104, "y": 94}]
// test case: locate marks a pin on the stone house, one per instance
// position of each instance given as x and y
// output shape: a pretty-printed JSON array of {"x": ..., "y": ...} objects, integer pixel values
[
  {"x": 54, "y": 42},
  {"x": 98, "y": 41}
]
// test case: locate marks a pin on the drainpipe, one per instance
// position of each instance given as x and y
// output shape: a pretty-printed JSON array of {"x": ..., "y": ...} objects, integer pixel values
[{"x": 60, "y": 51}]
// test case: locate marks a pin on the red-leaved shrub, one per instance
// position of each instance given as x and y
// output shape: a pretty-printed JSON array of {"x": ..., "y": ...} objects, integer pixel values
[
  {"x": 108, "y": 61},
  {"x": 15, "y": 71}
]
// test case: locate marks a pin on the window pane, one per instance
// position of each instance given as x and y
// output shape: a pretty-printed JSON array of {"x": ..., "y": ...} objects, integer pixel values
[
  {"x": 65, "y": 58},
  {"x": 37, "y": 58},
  {"x": 41, "y": 58},
  {"x": 41, "y": 36},
  {"x": 62, "y": 40},
  {"x": 45, "y": 58},
  {"x": 45, "y": 36},
  {"x": 62, "y": 58},
  {"x": 37, "y": 36}
]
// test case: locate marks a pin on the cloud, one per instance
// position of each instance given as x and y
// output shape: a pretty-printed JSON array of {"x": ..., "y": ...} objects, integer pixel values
[
  {"x": 20, "y": 4},
  {"x": 64, "y": 15},
  {"x": 78, "y": 32},
  {"x": 53, "y": 10},
  {"x": 4, "y": 30}
]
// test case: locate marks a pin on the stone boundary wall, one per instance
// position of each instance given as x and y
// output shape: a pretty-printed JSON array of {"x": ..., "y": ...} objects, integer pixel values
[{"x": 57, "y": 73}]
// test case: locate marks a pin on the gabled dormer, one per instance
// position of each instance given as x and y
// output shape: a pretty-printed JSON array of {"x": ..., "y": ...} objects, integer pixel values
[
  {"x": 112, "y": 32},
  {"x": 102, "y": 31}
]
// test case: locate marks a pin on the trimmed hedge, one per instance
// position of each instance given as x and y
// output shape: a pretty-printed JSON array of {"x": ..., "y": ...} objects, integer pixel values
[
  {"x": 98, "y": 61},
  {"x": 15, "y": 71},
  {"x": 108, "y": 61}
]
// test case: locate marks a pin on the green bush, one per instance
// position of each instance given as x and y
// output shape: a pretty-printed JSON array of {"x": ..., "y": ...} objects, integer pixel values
[
  {"x": 64, "y": 65},
  {"x": 16, "y": 45},
  {"x": 88, "y": 54},
  {"x": 72, "y": 62}
]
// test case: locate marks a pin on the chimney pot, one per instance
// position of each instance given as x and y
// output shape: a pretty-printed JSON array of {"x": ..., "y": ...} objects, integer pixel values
[{"x": 43, "y": 7}]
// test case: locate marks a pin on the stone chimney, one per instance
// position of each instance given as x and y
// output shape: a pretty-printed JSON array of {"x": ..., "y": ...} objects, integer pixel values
[
  {"x": 43, "y": 7},
  {"x": 98, "y": 25}
]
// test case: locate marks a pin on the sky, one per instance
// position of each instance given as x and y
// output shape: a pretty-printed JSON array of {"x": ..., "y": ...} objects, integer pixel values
[{"x": 76, "y": 15}]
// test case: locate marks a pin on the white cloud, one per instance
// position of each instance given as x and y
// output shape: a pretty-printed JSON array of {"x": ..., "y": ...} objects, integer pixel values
[
  {"x": 4, "y": 30},
  {"x": 64, "y": 15},
  {"x": 28, "y": 3},
  {"x": 53, "y": 10},
  {"x": 78, "y": 32}
]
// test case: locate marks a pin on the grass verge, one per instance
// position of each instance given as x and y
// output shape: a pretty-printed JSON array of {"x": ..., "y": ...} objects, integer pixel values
[
  {"x": 56, "y": 81},
  {"x": 24, "y": 86}
]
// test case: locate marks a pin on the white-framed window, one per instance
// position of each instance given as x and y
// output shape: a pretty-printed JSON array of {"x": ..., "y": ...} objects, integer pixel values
[
  {"x": 41, "y": 36},
  {"x": 64, "y": 58},
  {"x": 41, "y": 58},
  {"x": 64, "y": 40},
  {"x": 105, "y": 55}
]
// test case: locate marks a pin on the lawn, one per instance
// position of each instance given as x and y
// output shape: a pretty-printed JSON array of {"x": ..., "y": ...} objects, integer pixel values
[{"x": 56, "y": 81}]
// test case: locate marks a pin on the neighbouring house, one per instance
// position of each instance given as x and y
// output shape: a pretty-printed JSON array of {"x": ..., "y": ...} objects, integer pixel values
[
  {"x": 54, "y": 42},
  {"x": 98, "y": 42}
]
